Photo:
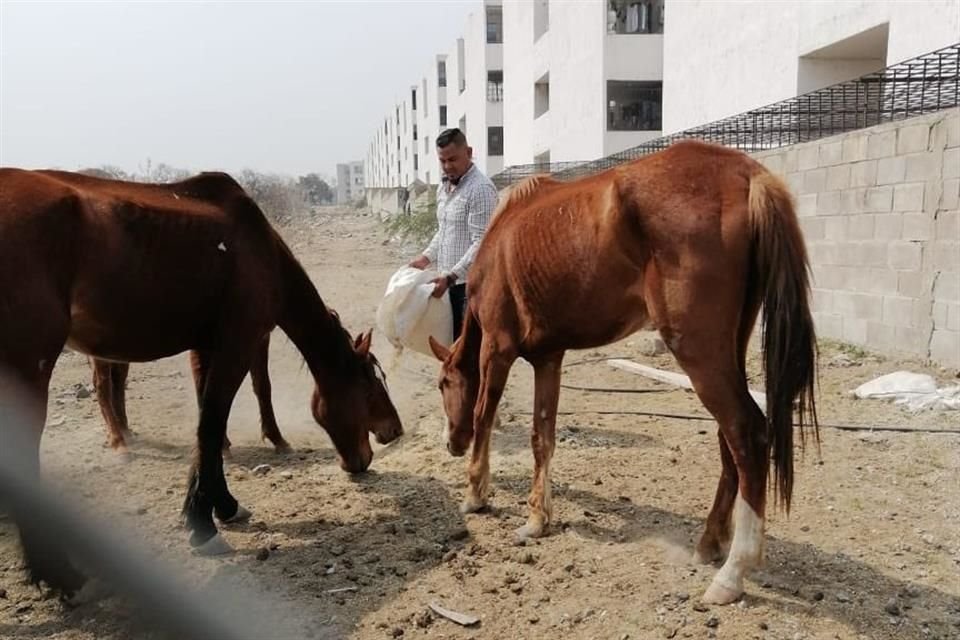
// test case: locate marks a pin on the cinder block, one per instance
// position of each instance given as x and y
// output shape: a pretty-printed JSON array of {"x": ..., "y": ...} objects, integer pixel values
[
  {"x": 912, "y": 284},
  {"x": 882, "y": 144},
  {"x": 948, "y": 224},
  {"x": 828, "y": 325},
  {"x": 823, "y": 300},
  {"x": 908, "y": 197},
  {"x": 898, "y": 312},
  {"x": 773, "y": 163},
  {"x": 807, "y": 204},
  {"x": 829, "y": 276},
  {"x": 881, "y": 280},
  {"x": 790, "y": 164},
  {"x": 888, "y": 226},
  {"x": 863, "y": 306},
  {"x": 861, "y": 227},
  {"x": 814, "y": 228},
  {"x": 945, "y": 255},
  {"x": 947, "y": 287},
  {"x": 879, "y": 200},
  {"x": 917, "y": 226},
  {"x": 835, "y": 227},
  {"x": 871, "y": 254},
  {"x": 953, "y": 316},
  {"x": 951, "y": 163},
  {"x": 853, "y": 200},
  {"x": 831, "y": 153},
  {"x": 808, "y": 157},
  {"x": 911, "y": 339},
  {"x": 945, "y": 347},
  {"x": 838, "y": 177},
  {"x": 941, "y": 313},
  {"x": 923, "y": 166},
  {"x": 854, "y": 331},
  {"x": 952, "y": 124},
  {"x": 864, "y": 174},
  {"x": 855, "y": 147},
  {"x": 891, "y": 170},
  {"x": 795, "y": 182},
  {"x": 880, "y": 336},
  {"x": 904, "y": 255},
  {"x": 828, "y": 202},
  {"x": 913, "y": 138},
  {"x": 814, "y": 181},
  {"x": 950, "y": 198}
]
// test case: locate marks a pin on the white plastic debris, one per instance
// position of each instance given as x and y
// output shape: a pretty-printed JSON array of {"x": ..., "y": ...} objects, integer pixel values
[
  {"x": 408, "y": 314},
  {"x": 915, "y": 391}
]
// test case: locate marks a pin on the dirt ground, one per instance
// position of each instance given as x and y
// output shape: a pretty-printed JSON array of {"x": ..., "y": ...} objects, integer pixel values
[{"x": 871, "y": 548}]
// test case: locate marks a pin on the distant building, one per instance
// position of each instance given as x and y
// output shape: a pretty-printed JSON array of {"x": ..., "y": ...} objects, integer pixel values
[{"x": 350, "y": 182}]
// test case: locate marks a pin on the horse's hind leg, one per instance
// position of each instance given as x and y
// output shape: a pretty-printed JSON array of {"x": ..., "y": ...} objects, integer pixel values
[
  {"x": 715, "y": 540},
  {"x": 722, "y": 388},
  {"x": 200, "y": 367},
  {"x": 260, "y": 378},
  {"x": 106, "y": 376}
]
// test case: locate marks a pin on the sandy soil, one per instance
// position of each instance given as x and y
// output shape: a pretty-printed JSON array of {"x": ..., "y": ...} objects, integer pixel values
[{"x": 871, "y": 548}]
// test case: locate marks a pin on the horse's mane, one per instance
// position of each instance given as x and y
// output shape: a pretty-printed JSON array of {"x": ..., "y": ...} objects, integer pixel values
[{"x": 522, "y": 190}]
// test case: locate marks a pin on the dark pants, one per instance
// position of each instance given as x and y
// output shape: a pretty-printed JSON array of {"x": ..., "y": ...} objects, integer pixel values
[{"x": 458, "y": 301}]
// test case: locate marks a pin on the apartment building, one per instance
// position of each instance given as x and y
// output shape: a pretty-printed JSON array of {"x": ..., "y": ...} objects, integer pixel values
[
  {"x": 582, "y": 79},
  {"x": 350, "y": 182}
]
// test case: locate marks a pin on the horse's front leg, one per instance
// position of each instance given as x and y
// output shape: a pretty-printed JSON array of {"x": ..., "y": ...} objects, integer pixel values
[
  {"x": 208, "y": 493},
  {"x": 546, "y": 398},
  {"x": 495, "y": 366}
]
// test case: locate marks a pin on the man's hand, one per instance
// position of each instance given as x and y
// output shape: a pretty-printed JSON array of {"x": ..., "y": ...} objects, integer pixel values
[
  {"x": 420, "y": 263},
  {"x": 441, "y": 284}
]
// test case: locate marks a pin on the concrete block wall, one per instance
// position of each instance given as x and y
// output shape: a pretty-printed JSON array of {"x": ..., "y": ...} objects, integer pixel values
[{"x": 880, "y": 213}]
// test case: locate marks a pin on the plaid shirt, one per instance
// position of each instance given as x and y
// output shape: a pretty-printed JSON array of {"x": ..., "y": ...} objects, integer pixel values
[{"x": 463, "y": 213}]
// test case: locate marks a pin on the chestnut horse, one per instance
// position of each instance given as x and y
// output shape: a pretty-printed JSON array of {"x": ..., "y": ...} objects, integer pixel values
[
  {"x": 110, "y": 385},
  {"x": 692, "y": 241},
  {"x": 130, "y": 272}
]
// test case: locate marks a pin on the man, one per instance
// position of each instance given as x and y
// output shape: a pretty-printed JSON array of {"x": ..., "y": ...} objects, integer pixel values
[{"x": 465, "y": 202}]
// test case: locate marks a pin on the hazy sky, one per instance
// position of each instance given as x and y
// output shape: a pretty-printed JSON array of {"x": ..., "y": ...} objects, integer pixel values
[{"x": 287, "y": 87}]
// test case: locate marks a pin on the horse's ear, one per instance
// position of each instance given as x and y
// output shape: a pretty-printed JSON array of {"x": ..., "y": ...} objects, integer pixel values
[
  {"x": 362, "y": 343},
  {"x": 440, "y": 351}
]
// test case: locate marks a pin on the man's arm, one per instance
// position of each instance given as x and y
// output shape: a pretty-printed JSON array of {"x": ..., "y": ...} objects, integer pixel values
[{"x": 482, "y": 204}]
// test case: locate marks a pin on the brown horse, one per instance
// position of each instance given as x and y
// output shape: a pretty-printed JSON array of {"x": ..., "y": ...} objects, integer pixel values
[
  {"x": 131, "y": 272},
  {"x": 110, "y": 385},
  {"x": 692, "y": 240}
]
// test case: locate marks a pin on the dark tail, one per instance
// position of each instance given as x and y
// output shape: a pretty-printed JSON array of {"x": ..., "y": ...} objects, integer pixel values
[{"x": 789, "y": 341}]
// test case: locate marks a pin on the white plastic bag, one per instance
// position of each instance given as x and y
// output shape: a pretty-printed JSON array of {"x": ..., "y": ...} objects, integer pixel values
[
  {"x": 408, "y": 314},
  {"x": 916, "y": 391}
]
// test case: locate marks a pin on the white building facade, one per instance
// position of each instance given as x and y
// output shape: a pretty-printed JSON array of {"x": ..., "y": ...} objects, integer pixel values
[
  {"x": 582, "y": 79},
  {"x": 350, "y": 182},
  {"x": 724, "y": 57}
]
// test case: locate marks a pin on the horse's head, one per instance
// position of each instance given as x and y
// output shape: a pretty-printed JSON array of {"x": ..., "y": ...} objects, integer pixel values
[
  {"x": 352, "y": 403},
  {"x": 459, "y": 386}
]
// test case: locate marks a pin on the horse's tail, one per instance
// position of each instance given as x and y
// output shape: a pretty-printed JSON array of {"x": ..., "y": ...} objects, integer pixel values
[{"x": 780, "y": 268}]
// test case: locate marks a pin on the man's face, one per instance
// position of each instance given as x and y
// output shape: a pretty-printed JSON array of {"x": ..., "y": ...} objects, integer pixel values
[{"x": 454, "y": 159}]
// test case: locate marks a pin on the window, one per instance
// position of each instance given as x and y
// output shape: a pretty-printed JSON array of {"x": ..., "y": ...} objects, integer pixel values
[
  {"x": 495, "y": 86},
  {"x": 441, "y": 73},
  {"x": 634, "y": 106},
  {"x": 541, "y": 18},
  {"x": 414, "y": 132},
  {"x": 494, "y": 24},
  {"x": 416, "y": 162},
  {"x": 413, "y": 99},
  {"x": 426, "y": 145},
  {"x": 629, "y": 16},
  {"x": 463, "y": 124},
  {"x": 461, "y": 65},
  {"x": 424, "y": 97},
  {"x": 443, "y": 115},
  {"x": 494, "y": 141},
  {"x": 541, "y": 96}
]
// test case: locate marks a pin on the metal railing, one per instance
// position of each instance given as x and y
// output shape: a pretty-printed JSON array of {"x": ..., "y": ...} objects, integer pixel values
[{"x": 925, "y": 84}]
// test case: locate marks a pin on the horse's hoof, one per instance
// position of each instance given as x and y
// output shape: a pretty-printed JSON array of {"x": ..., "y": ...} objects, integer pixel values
[
  {"x": 529, "y": 530},
  {"x": 472, "y": 505},
  {"x": 719, "y": 593},
  {"x": 283, "y": 448},
  {"x": 215, "y": 546},
  {"x": 242, "y": 515}
]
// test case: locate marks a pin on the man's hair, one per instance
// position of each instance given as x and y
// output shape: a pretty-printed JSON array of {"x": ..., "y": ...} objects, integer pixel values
[{"x": 451, "y": 136}]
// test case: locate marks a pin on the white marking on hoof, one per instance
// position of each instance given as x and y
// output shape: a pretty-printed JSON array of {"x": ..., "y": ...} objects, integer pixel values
[
  {"x": 472, "y": 504},
  {"x": 215, "y": 546},
  {"x": 529, "y": 530},
  {"x": 719, "y": 593},
  {"x": 242, "y": 515}
]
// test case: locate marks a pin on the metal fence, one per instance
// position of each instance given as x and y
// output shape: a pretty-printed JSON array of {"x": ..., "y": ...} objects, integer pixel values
[{"x": 924, "y": 84}]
